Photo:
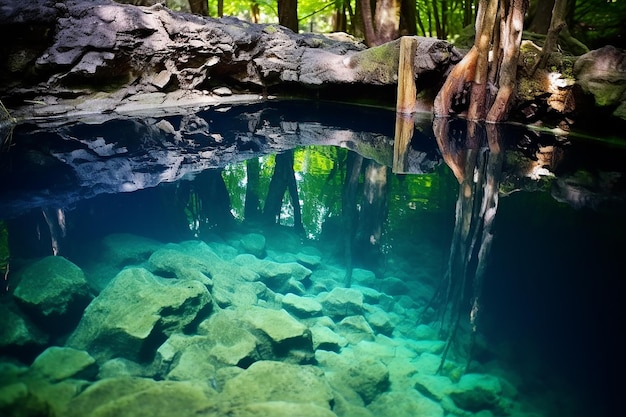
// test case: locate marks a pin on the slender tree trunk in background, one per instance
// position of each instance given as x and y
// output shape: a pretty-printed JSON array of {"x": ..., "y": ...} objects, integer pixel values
[
  {"x": 373, "y": 214},
  {"x": 283, "y": 179},
  {"x": 387, "y": 20},
  {"x": 437, "y": 21},
  {"x": 557, "y": 24},
  {"x": 420, "y": 24},
  {"x": 213, "y": 195},
  {"x": 468, "y": 15},
  {"x": 540, "y": 12},
  {"x": 288, "y": 14},
  {"x": 252, "y": 205},
  {"x": 350, "y": 213},
  {"x": 340, "y": 23},
  {"x": 368, "y": 23},
  {"x": 220, "y": 8},
  {"x": 199, "y": 7},
  {"x": 408, "y": 18},
  {"x": 254, "y": 12}
]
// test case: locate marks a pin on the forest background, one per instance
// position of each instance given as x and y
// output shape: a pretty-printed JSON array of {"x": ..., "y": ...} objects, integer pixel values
[{"x": 593, "y": 22}]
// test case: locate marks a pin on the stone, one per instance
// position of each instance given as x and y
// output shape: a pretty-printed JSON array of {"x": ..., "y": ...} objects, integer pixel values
[
  {"x": 379, "y": 320},
  {"x": 355, "y": 329},
  {"x": 266, "y": 381},
  {"x": 174, "y": 262},
  {"x": 342, "y": 302},
  {"x": 393, "y": 286},
  {"x": 475, "y": 392},
  {"x": 326, "y": 339},
  {"x": 18, "y": 333},
  {"x": 17, "y": 400},
  {"x": 275, "y": 275},
  {"x": 120, "y": 367},
  {"x": 58, "y": 363},
  {"x": 230, "y": 342},
  {"x": 274, "y": 409},
  {"x": 254, "y": 243},
  {"x": 404, "y": 404},
  {"x": 134, "y": 309},
  {"x": 302, "y": 307},
  {"x": 435, "y": 387},
  {"x": 53, "y": 291},
  {"x": 222, "y": 91},
  {"x": 123, "y": 249},
  {"x": 135, "y": 397},
  {"x": 309, "y": 261},
  {"x": 602, "y": 73}
]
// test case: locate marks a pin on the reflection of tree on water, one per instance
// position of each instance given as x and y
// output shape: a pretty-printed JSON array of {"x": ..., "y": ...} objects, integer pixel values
[{"x": 474, "y": 155}]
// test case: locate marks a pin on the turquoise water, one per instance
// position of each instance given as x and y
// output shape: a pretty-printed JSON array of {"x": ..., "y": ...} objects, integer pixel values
[{"x": 228, "y": 263}]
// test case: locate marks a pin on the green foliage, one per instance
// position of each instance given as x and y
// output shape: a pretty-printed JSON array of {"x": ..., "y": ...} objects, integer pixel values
[{"x": 596, "y": 21}]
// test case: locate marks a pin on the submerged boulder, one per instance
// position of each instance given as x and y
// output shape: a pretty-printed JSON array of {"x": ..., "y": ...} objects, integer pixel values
[
  {"x": 53, "y": 291},
  {"x": 59, "y": 363},
  {"x": 135, "y": 310},
  {"x": 266, "y": 381}
]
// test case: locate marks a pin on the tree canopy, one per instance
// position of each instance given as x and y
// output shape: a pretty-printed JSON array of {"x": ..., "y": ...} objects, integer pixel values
[{"x": 594, "y": 22}]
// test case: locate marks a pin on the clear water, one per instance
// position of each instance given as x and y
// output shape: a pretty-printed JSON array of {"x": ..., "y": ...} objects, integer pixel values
[{"x": 546, "y": 262}]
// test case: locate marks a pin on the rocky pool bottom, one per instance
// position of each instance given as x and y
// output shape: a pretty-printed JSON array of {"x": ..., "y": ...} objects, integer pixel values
[{"x": 246, "y": 324}]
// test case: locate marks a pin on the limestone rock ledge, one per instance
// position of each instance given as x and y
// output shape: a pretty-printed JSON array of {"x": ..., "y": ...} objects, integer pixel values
[{"x": 66, "y": 50}]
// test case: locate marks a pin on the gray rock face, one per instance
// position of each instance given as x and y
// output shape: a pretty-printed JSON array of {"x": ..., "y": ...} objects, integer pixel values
[
  {"x": 54, "y": 291},
  {"x": 602, "y": 73},
  {"x": 135, "y": 308},
  {"x": 101, "y": 43}
]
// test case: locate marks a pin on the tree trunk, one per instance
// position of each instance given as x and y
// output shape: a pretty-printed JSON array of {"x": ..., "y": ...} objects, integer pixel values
[
  {"x": 408, "y": 18},
  {"x": 540, "y": 13},
  {"x": 507, "y": 78},
  {"x": 349, "y": 210},
  {"x": 220, "y": 8},
  {"x": 252, "y": 207},
  {"x": 288, "y": 14},
  {"x": 487, "y": 77},
  {"x": 283, "y": 179},
  {"x": 368, "y": 23},
  {"x": 199, "y": 7},
  {"x": 387, "y": 20},
  {"x": 557, "y": 23}
]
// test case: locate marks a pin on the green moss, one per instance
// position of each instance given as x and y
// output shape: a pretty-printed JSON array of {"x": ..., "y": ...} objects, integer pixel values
[{"x": 270, "y": 29}]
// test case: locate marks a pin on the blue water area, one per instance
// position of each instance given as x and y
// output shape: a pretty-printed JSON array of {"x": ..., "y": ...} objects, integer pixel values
[{"x": 279, "y": 259}]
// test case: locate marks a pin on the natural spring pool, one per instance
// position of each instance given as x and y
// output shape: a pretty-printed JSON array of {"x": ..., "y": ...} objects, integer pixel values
[{"x": 284, "y": 259}]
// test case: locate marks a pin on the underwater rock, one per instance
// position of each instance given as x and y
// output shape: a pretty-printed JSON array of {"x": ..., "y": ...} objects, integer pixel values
[
  {"x": 404, "y": 404},
  {"x": 121, "y": 367},
  {"x": 170, "y": 263},
  {"x": 136, "y": 397},
  {"x": 123, "y": 249},
  {"x": 254, "y": 243},
  {"x": 326, "y": 339},
  {"x": 307, "y": 260},
  {"x": 135, "y": 310},
  {"x": 379, "y": 320},
  {"x": 230, "y": 342},
  {"x": 17, "y": 400},
  {"x": 355, "y": 329},
  {"x": 267, "y": 381},
  {"x": 342, "y": 302},
  {"x": 275, "y": 275},
  {"x": 476, "y": 392},
  {"x": 301, "y": 307},
  {"x": 53, "y": 291},
  {"x": 18, "y": 333},
  {"x": 393, "y": 286},
  {"x": 273, "y": 409},
  {"x": 59, "y": 363},
  {"x": 280, "y": 335},
  {"x": 435, "y": 387}
]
